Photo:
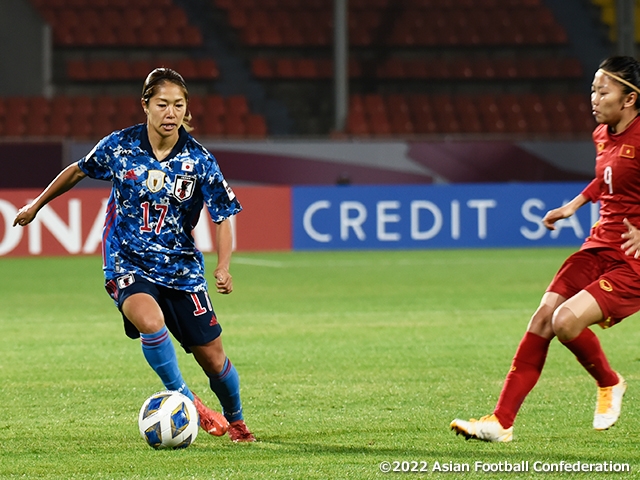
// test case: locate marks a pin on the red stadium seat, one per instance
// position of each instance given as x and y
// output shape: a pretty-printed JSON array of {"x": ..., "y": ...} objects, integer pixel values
[
  {"x": 36, "y": 125},
  {"x": 104, "y": 105},
  {"x": 357, "y": 124},
  {"x": 38, "y": 106},
  {"x": 82, "y": 105},
  {"x": 206, "y": 69},
  {"x": 58, "y": 124},
  {"x": 61, "y": 105},
  {"x": 237, "y": 105},
  {"x": 17, "y": 106},
  {"x": 557, "y": 113},
  {"x": 400, "y": 122},
  {"x": 120, "y": 70},
  {"x": 270, "y": 35},
  {"x": 237, "y": 18},
  {"x": 234, "y": 126},
  {"x": 187, "y": 68},
  {"x": 99, "y": 70},
  {"x": 374, "y": 105},
  {"x": 191, "y": 36},
  {"x": 356, "y": 104},
  {"x": 14, "y": 123},
  {"x": 77, "y": 70},
  {"x": 285, "y": 68},
  {"x": 214, "y": 106},
  {"x": 81, "y": 125},
  {"x": 101, "y": 124},
  {"x": 256, "y": 126},
  {"x": 308, "y": 68},
  {"x": 261, "y": 68},
  {"x": 210, "y": 125},
  {"x": 141, "y": 68},
  {"x": 196, "y": 106}
]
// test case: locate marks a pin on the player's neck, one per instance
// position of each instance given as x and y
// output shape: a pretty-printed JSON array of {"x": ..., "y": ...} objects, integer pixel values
[
  {"x": 624, "y": 122},
  {"x": 162, "y": 145}
]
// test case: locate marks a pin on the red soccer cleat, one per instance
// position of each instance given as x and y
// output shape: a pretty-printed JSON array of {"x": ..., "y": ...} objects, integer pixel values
[
  {"x": 211, "y": 421},
  {"x": 238, "y": 432}
]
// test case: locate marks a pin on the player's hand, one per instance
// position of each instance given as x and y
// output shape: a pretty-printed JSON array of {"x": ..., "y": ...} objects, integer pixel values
[
  {"x": 224, "y": 281},
  {"x": 553, "y": 216},
  {"x": 24, "y": 216},
  {"x": 632, "y": 237}
]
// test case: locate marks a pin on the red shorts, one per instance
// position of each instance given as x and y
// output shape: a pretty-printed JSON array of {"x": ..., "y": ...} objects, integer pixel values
[{"x": 604, "y": 273}]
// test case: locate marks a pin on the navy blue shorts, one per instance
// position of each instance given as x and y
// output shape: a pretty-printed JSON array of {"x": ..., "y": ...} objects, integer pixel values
[{"x": 189, "y": 316}]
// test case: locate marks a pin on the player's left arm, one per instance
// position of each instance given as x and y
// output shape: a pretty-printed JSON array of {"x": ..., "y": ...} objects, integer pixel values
[{"x": 224, "y": 247}]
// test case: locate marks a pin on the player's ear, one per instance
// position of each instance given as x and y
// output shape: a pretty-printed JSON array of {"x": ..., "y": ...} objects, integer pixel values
[
  {"x": 631, "y": 99},
  {"x": 144, "y": 107}
]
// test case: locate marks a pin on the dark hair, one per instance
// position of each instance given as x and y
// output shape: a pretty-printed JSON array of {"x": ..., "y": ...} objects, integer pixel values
[
  {"x": 159, "y": 76},
  {"x": 628, "y": 69}
]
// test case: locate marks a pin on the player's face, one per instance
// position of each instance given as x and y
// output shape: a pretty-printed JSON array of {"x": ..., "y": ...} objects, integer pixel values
[
  {"x": 607, "y": 99},
  {"x": 166, "y": 109}
]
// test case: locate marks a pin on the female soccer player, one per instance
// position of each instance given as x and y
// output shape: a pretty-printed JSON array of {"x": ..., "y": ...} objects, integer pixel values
[
  {"x": 161, "y": 178},
  {"x": 599, "y": 284}
]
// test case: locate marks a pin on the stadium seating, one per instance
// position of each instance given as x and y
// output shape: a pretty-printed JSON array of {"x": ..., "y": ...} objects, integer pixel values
[
  {"x": 472, "y": 69},
  {"x": 460, "y": 51},
  {"x": 416, "y": 67},
  {"x": 100, "y": 33},
  {"x": 400, "y": 23},
  {"x": 110, "y": 24},
  {"x": 526, "y": 114},
  {"x": 116, "y": 70},
  {"x": 92, "y": 117}
]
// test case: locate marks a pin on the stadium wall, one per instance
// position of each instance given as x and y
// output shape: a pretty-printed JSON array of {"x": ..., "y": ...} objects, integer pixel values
[
  {"x": 327, "y": 218},
  {"x": 26, "y": 59}
]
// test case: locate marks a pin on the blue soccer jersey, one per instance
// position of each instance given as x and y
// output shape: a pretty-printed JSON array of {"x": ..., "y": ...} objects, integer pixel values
[{"x": 155, "y": 205}]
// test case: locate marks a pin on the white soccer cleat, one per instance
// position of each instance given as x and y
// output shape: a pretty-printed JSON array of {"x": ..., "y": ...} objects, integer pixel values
[
  {"x": 488, "y": 428},
  {"x": 609, "y": 404}
]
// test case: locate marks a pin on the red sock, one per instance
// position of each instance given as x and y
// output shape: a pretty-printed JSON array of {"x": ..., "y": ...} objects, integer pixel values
[
  {"x": 586, "y": 347},
  {"x": 523, "y": 376}
]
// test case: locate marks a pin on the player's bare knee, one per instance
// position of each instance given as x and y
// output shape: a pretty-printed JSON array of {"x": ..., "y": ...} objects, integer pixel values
[
  {"x": 540, "y": 322},
  {"x": 564, "y": 324}
]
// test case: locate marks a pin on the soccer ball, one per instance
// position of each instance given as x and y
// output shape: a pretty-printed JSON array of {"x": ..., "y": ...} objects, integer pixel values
[{"x": 168, "y": 419}]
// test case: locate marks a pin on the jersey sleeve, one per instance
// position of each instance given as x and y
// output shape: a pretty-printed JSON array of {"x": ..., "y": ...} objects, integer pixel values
[
  {"x": 96, "y": 163},
  {"x": 220, "y": 199},
  {"x": 592, "y": 191}
]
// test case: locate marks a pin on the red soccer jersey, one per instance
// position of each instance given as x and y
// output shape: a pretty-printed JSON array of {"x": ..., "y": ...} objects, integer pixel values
[{"x": 617, "y": 186}]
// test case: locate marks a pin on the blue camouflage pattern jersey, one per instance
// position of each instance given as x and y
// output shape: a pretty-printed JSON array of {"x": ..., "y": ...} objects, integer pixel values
[{"x": 154, "y": 206}]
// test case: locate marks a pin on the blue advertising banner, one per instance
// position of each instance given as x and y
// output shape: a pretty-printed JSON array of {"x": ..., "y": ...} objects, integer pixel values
[{"x": 436, "y": 216}]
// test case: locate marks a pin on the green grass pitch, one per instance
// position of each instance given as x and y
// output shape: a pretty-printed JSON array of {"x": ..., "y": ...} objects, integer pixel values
[{"x": 346, "y": 360}]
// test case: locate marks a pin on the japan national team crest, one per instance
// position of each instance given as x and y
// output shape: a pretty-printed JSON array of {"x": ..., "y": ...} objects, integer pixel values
[
  {"x": 125, "y": 280},
  {"x": 183, "y": 187},
  {"x": 155, "y": 180}
]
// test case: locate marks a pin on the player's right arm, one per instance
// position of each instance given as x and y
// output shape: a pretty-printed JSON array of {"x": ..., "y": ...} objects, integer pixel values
[
  {"x": 64, "y": 182},
  {"x": 564, "y": 211}
]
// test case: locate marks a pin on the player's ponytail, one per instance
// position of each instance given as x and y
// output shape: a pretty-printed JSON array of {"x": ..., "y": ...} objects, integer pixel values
[
  {"x": 159, "y": 76},
  {"x": 626, "y": 71}
]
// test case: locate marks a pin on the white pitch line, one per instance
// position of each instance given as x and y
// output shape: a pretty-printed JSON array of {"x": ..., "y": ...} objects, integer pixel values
[
  {"x": 258, "y": 262},
  {"x": 386, "y": 263}
]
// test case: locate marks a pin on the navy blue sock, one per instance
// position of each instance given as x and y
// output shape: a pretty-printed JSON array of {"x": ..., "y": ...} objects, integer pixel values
[
  {"x": 226, "y": 386},
  {"x": 161, "y": 356}
]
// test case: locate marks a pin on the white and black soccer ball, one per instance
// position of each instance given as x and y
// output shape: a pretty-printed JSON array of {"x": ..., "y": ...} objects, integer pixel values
[{"x": 168, "y": 419}]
